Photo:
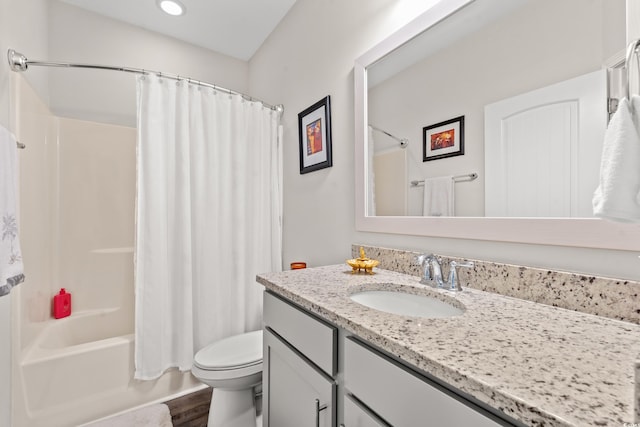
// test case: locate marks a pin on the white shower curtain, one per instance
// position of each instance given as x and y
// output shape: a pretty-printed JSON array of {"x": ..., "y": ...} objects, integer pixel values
[{"x": 208, "y": 218}]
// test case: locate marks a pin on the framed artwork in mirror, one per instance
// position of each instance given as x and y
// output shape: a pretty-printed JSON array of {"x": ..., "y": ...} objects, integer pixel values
[
  {"x": 444, "y": 139},
  {"x": 314, "y": 127}
]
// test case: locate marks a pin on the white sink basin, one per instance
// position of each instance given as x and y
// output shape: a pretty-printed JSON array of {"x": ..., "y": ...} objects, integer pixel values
[{"x": 406, "y": 304}]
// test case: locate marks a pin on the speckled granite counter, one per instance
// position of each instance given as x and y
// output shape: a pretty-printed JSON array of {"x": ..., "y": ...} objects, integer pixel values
[
  {"x": 542, "y": 365},
  {"x": 608, "y": 297}
]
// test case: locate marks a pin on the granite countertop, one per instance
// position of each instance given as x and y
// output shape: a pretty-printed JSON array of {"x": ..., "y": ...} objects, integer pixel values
[{"x": 542, "y": 365}]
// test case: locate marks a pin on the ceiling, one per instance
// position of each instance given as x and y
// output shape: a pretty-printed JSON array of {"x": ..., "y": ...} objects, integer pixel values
[{"x": 233, "y": 27}]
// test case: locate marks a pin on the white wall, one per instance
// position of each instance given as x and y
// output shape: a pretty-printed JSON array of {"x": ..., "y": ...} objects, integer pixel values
[
  {"x": 80, "y": 36},
  {"x": 23, "y": 26},
  {"x": 5, "y": 361},
  {"x": 311, "y": 55},
  {"x": 28, "y": 31}
]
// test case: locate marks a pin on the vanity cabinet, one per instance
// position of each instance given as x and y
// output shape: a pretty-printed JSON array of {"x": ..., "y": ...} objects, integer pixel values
[
  {"x": 305, "y": 384},
  {"x": 300, "y": 363}
]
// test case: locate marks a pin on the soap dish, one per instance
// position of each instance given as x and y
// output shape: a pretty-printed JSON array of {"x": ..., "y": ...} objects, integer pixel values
[{"x": 362, "y": 264}]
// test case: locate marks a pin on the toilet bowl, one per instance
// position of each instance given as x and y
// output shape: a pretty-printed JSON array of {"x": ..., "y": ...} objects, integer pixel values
[{"x": 233, "y": 367}]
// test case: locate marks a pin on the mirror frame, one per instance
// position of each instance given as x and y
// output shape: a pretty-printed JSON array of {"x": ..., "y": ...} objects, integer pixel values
[{"x": 575, "y": 232}]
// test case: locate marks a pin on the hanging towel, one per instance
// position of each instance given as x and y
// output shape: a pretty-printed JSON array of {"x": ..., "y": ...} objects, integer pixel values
[
  {"x": 438, "y": 196},
  {"x": 11, "y": 270},
  {"x": 617, "y": 196}
]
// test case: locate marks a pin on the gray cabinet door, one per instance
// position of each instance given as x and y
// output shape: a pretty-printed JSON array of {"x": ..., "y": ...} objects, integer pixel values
[
  {"x": 356, "y": 416},
  {"x": 295, "y": 394}
]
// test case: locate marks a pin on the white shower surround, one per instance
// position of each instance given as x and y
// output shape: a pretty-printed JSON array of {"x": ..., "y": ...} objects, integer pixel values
[{"x": 80, "y": 368}]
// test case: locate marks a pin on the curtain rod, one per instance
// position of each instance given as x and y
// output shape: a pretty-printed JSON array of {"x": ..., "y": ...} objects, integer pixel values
[
  {"x": 18, "y": 62},
  {"x": 403, "y": 141}
]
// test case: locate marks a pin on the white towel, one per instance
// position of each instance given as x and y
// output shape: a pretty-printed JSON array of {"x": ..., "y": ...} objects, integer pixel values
[
  {"x": 11, "y": 269},
  {"x": 617, "y": 196},
  {"x": 438, "y": 196}
]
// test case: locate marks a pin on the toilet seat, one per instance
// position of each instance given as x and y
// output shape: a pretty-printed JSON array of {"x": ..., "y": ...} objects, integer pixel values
[
  {"x": 237, "y": 356},
  {"x": 231, "y": 353}
]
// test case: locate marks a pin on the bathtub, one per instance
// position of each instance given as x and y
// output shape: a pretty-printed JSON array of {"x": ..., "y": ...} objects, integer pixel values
[{"x": 80, "y": 369}]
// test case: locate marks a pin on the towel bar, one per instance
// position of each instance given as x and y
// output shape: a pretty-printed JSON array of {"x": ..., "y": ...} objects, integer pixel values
[
  {"x": 457, "y": 178},
  {"x": 631, "y": 49}
]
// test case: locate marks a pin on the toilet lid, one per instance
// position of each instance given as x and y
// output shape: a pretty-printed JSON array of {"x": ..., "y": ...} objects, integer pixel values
[{"x": 233, "y": 352}]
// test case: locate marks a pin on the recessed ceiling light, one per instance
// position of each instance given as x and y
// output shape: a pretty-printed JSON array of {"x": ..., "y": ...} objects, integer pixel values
[{"x": 172, "y": 7}]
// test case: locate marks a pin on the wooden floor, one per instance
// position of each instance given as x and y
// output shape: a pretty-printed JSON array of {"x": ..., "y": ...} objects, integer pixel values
[{"x": 191, "y": 410}]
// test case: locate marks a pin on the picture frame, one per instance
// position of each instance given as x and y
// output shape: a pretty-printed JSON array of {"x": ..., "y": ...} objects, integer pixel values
[
  {"x": 444, "y": 139},
  {"x": 314, "y": 127}
]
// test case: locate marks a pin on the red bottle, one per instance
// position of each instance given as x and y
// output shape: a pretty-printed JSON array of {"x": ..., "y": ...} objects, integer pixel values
[{"x": 61, "y": 304}]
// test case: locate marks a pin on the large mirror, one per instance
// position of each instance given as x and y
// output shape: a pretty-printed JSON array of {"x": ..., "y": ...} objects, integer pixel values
[{"x": 445, "y": 104}]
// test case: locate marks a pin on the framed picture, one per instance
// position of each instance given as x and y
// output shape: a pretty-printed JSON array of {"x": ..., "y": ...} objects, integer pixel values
[
  {"x": 444, "y": 139},
  {"x": 314, "y": 125}
]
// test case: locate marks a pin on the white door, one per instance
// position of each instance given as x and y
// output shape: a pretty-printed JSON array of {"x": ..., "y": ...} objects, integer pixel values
[{"x": 543, "y": 149}]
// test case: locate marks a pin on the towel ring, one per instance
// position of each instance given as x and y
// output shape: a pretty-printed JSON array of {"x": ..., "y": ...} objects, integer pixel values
[{"x": 631, "y": 49}]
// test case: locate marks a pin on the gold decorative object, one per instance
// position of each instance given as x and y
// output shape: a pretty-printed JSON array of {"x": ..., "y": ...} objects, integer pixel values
[{"x": 363, "y": 263}]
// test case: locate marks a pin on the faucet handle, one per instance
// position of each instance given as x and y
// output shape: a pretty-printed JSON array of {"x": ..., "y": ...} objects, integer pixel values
[
  {"x": 467, "y": 264},
  {"x": 454, "y": 284}
]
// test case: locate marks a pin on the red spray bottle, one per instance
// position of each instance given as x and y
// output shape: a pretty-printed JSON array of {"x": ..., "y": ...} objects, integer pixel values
[{"x": 61, "y": 304}]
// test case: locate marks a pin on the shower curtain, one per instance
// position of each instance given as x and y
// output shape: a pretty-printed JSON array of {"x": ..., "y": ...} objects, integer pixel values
[{"x": 208, "y": 218}]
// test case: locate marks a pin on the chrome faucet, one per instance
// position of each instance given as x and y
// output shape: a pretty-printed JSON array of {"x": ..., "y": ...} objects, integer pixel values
[{"x": 432, "y": 272}]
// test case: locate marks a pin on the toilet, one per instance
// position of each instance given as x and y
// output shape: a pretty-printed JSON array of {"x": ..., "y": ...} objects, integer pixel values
[{"x": 233, "y": 367}]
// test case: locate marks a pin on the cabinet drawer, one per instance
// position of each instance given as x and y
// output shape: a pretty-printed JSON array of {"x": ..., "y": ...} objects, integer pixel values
[
  {"x": 311, "y": 336},
  {"x": 401, "y": 397}
]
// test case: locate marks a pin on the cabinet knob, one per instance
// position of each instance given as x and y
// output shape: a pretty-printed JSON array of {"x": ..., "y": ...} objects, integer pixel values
[{"x": 318, "y": 410}]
